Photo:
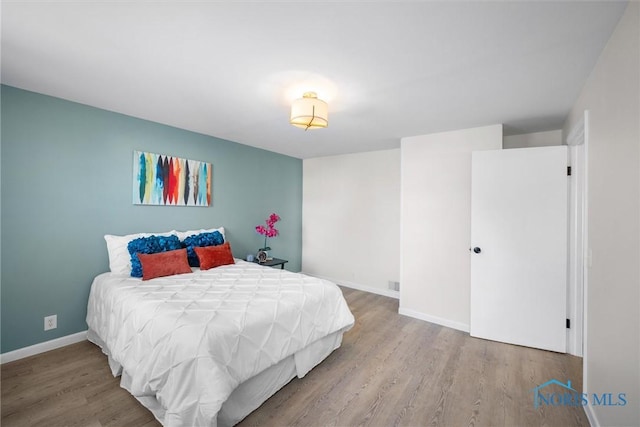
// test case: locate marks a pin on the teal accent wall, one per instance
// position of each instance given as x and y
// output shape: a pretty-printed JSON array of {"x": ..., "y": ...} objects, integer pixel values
[{"x": 66, "y": 180}]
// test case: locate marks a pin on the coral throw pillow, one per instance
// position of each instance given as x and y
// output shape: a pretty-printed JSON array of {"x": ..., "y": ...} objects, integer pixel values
[
  {"x": 199, "y": 240},
  {"x": 164, "y": 264},
  {"x": 214, "y": 256},
  {"x": 150, "y": 245}
]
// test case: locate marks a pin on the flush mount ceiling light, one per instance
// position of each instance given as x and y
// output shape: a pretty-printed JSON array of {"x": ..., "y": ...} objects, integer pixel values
[{"x": 309, "y": 112}]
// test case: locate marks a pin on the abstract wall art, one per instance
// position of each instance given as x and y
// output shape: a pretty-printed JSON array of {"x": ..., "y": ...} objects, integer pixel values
[{"x": 159, "y": 179}]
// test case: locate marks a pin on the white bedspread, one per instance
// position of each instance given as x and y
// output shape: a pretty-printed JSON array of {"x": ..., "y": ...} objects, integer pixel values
[{"x": 189, "y": 340}]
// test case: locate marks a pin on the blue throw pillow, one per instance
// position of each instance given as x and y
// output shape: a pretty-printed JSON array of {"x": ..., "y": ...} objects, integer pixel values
[
  {"x": 150, "y": 245},
  {"x": 200, "y": 240}
]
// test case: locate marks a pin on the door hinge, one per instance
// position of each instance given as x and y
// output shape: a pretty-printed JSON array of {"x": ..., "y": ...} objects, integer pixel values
[
  {"x": 568, "y": 324},
  {"x": 568, "y": 170}
]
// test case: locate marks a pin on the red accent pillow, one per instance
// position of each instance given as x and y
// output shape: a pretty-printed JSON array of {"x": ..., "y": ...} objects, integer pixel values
[
  {"x": 214, "y": 256},
  {"x": 164, "y": 264}
]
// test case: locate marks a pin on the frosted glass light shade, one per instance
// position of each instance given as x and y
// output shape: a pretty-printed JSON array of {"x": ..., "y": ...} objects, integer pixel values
[{"x": 309, "y": 112}]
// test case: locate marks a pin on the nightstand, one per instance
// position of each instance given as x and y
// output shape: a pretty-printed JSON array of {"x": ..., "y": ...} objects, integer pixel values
[{"x": 273, "y": 263}]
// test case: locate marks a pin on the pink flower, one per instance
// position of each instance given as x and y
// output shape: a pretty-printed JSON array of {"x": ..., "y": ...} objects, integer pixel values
[
  {"x": 270, "y": 230},
  {"x": 273, "y": 218}
]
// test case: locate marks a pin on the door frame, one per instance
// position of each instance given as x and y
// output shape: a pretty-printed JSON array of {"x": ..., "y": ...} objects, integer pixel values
[{"x": 578, "y": 253}]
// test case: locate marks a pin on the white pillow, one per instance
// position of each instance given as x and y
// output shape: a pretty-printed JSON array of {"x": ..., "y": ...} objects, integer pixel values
[
  {"x": 184, "y": 234},
  {"x": 119, "y": 256}
]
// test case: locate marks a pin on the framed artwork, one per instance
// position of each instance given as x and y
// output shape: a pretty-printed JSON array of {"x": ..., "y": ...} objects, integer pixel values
[{"x": 160, "y": 179}]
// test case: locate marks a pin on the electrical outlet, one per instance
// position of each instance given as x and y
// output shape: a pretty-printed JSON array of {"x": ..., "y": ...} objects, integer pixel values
[
  {"x": 50, "y": 322},
  {"x": 394, "y": 286}
]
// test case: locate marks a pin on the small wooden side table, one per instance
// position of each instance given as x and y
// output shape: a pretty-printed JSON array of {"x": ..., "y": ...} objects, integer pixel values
[{"x": 273, "y": 263}]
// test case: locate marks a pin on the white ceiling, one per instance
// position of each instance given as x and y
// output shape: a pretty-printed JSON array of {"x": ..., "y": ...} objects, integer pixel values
[{"x": 388, "y": 69}]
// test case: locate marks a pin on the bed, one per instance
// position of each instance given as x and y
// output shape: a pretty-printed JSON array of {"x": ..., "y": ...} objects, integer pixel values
[{"x": 208, "y": 347}]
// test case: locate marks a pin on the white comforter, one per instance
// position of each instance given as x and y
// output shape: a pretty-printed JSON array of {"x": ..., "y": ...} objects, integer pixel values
[{"x": 189, "y": 340}]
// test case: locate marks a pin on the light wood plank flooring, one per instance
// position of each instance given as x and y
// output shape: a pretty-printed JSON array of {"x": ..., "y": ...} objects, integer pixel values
[{"x": 390, "y": 371}]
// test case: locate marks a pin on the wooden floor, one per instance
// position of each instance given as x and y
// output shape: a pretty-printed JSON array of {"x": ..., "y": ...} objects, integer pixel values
[{"x": 391, "y": 370}]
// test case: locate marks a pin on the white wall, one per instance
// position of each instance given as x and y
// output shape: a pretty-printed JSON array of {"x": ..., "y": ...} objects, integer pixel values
[
  {"x": 612, "y": 340},
  {"x": 351, "y": 219},
  {"x": 436, "y": 223},
  {"x": 536, "y": 139}
]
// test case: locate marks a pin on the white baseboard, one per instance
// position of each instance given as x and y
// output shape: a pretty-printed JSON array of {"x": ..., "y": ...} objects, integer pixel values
[
  {"x": 32, "y": 350},
  {"x": 434, "y": 319},
  {"x": 591, "y": 415},
  {"x": 384, "y": 292}
]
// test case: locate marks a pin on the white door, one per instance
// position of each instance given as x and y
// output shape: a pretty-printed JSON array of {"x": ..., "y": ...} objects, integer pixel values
[{"x": 519, "y": 246}]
